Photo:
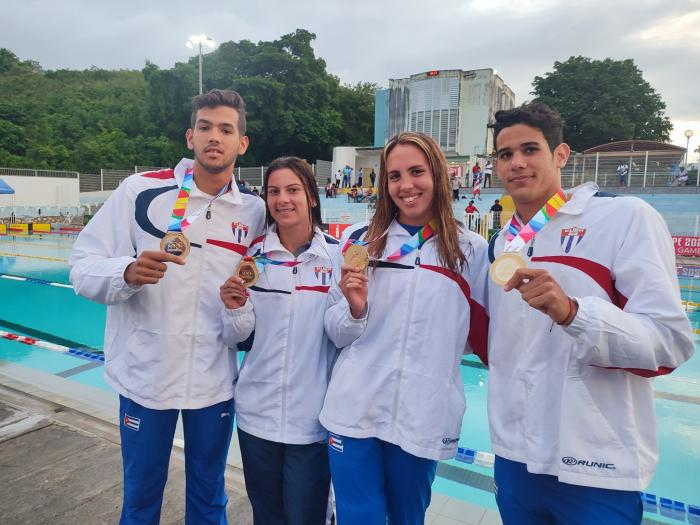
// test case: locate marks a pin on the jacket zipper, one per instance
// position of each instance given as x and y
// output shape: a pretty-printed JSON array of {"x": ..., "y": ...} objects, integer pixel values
[
  {"x": 196, "y": 315},
  {"x": 295, "y": 272},
  {"x": 405, "y": 337}
]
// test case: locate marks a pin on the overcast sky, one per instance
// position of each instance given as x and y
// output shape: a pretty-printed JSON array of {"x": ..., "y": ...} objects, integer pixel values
[{"x": 376, "y": 40}]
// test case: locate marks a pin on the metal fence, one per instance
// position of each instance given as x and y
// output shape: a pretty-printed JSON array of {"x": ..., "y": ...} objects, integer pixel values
[
  {"x": 24, "y": 172},
  {"x": 635, "y": 169}
]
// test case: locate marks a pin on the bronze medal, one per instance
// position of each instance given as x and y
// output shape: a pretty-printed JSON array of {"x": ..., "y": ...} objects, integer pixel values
[
  {"x": 503, "y": 268},
  {"x": 248, "y": 271},
  {"x": 356, "y": 256},
  {"x": 175, "y": 243}
]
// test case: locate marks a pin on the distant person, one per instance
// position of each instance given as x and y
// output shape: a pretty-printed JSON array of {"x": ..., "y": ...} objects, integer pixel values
[
  {"x": 471, "y": 218},
  {"x": 372, "y": 177},
  {"x": 584, "y": 310},
  {"x": 488, "y": 171},
  {"x": 622, "y": 171},
  {"x": 683, "y": 176},
  {"x": 360, "y": 173},
  {"x": 455, "y": 187},
  {"x": 476, "y": 173},
  {"x": 476, "y": 185},
  {"x": 496, "y": 210},
  {"x": 167, "y": 352}
]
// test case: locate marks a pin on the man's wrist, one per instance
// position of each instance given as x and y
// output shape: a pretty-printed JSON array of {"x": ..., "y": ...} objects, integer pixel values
[
  {"x": 573, "y": 310},
  {"x": 126, "y": 273}
]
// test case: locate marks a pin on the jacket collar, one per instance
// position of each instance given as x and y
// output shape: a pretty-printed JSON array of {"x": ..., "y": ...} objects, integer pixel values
[
  {"x": 318, "y": 247},
  {"x": 579, "y": 198},
  {"x": 233, "y": 196}
]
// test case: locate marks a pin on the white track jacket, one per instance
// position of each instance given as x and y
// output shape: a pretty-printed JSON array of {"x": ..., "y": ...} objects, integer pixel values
[
  {"x": 577, "y": 402},
  {"x": 164, "y": 343},
  {"x": 283, "y": 379},
  {"x": 397, "y": 377}
]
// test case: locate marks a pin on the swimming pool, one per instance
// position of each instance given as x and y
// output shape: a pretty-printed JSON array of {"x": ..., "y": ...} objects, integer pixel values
[{"x": 36, "y": 309}]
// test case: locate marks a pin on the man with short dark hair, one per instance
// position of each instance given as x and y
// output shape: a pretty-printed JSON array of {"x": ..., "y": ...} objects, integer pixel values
[
  {"x": 156, "y": 253},
  {"x": 584, "y": 310}
]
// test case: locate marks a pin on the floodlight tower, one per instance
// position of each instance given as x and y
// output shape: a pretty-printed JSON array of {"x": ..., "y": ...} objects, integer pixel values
[{"x": 196, "y": 42}]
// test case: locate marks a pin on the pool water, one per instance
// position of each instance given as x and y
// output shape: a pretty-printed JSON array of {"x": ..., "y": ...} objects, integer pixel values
[{"x": 57, "y": 314}]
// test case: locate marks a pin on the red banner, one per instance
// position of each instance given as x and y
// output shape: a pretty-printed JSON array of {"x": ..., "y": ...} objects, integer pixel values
[
  {"x": 686, "y": 246},
  {"x": 336, "y": 229}
]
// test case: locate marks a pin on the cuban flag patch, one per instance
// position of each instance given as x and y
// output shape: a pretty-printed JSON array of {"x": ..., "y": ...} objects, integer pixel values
[
  {"x": 570, "y": 237},
  {"x": 323, "y": 274},
  {"x": 240, "y": 231},
  {"x": 335, "y": 443},
  {"x": 132, "y": 422}
]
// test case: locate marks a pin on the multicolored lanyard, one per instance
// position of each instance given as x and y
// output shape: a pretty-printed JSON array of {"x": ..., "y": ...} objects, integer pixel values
[
  {"x": 417, "y": 240},
  {"x": 178, "y": 221},
  {"x": 518, "y": 235},
  {"x": 263, "y": 259}
]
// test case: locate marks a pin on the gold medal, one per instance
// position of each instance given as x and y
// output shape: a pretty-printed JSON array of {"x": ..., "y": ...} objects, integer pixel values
[
  {"x": 175, "y": 243},
  {"x": 248, "y": 271},
  {"x": 503, "y": 268},
  {"x": 356, "y": 256}
]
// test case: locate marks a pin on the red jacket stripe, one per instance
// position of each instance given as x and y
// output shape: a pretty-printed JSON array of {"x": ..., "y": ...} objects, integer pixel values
[
  {"x": 478, "y": 318},
  {"x": 603, "y": 276},
  {"x": 162, "y": 174},
  {"x": 322, "y": 289},
  {"x": 238, "y": 248}
]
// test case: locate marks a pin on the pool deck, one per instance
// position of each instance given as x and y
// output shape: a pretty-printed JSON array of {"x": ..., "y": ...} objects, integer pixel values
[{"x": 59, "y": 449}]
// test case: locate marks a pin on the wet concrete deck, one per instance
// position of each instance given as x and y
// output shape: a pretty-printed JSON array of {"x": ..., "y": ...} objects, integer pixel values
[{"x": 59, "y": 466}]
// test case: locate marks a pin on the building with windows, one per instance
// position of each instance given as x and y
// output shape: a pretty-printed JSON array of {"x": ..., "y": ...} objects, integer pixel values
[{"x": 452, "y": 105}]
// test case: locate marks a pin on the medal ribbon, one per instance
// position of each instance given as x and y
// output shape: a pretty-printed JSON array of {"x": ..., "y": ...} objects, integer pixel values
[
  {"x": 518, "y": 235},
  {"x": 420, "y": 237},
  {"x": 263, "y": 259},
  {"x": 178, "y": 221}
]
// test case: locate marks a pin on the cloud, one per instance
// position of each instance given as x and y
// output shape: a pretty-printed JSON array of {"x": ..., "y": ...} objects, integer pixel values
[
  {"x": 369, "y": 40},
  {"x": 673, "y": 30}
]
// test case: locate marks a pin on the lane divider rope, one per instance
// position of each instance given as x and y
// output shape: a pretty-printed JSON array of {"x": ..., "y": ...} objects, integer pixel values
[
  {"x": 31, "y": 341},
  {"x": 42, "y": 257},
  {"x": 34, "y": 280}
]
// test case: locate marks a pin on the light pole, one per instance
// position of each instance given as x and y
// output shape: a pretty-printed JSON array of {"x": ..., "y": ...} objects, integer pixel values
[
  {"x": 196, "y": 42},
  {"x": 688, "y": 133}
]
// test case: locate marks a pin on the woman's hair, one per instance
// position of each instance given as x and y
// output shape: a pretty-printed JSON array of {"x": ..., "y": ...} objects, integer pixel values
[
  {"x": 449, "y": 252},
  {"x": 302, "y": 170}
]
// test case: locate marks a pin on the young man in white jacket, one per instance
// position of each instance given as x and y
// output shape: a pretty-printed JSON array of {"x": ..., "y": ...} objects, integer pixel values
[
  {"x": 576, "y": 335},
  {"x": 156, "y": 254}
]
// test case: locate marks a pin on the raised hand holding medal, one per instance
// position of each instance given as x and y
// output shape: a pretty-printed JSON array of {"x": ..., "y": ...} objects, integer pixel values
[{"x": 517, "y": 236}]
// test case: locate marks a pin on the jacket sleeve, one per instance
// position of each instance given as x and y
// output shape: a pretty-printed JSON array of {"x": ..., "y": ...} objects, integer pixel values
[
  {"x": 341, "y": 327},
  {"x": 238, "y": 323},
  {"x": 650, "y": 335},
  {"x": 477, "y": 277},
  {"x": 103, "y": 250}
]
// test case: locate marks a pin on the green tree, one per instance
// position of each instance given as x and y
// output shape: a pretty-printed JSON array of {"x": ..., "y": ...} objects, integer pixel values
[
  {"x": 603, "y": 101},
  {"x": 96, "y": 118}
]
